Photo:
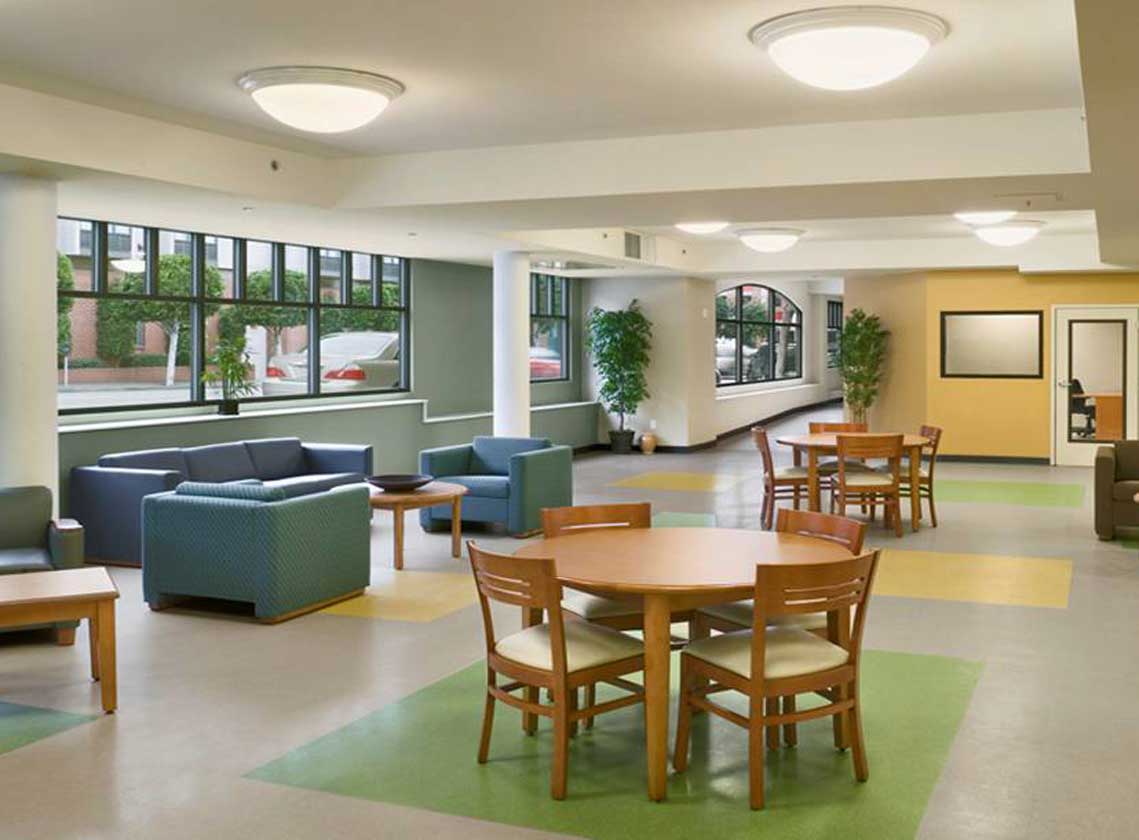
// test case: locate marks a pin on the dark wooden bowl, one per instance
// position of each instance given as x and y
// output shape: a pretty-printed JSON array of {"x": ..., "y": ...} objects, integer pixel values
[{"x": 400, "y": 482}]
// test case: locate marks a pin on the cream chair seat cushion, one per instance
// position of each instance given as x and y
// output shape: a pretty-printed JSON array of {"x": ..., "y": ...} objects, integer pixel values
[
  {"x": 740, "y": 612},
  {"x": 790, "y": 652},
  {"x": 591, "y": 607},
  {"x": 867, "y": 478},
  {"x": 791, "y": 472},
  {"x": 587, "y": 646}
]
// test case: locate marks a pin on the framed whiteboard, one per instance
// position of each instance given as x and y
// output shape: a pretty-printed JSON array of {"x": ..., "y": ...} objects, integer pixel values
[{"x": 992, "y": 345}]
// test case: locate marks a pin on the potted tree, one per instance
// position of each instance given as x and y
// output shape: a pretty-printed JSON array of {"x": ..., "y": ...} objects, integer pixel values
[
  {"x": 619, "y": 342},
  {"x": 862, "y": 354},
  {"x": 230, "y": 370}
]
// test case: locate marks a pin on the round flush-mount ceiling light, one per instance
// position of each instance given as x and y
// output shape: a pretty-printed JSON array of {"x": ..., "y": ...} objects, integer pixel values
[
  {"x": 769, "y": 240},
  {"x": 1009, "y": 234},
  {"x": 976, "y": 218},
  {"x": 702, "y": 228},
  {"x": 848, "y": 47},
  {"x": 323, "y": 100}
]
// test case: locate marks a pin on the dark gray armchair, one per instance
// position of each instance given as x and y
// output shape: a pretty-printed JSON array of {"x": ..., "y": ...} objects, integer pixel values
[
  {"x": 31, "y": 541},
  {"x": 1116, "y": 483}
]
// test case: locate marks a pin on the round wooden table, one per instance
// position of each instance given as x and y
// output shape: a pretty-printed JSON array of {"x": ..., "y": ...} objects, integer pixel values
[
  {"x": 435, "y": 493},
  {"x": 670, "y": 570},
  {"x": 827, "y": 444}
]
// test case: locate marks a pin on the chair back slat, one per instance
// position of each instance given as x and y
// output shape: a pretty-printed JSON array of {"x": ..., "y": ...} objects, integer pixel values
[
  {"x": 823, "y": 428},
  {"x": 862, "y": 447},
  {"x": 827, "y": 586},
  {"x": 759, "y": 435},
  {"x": 849, "y": 533},
  {"x": 557, "y": 522}
]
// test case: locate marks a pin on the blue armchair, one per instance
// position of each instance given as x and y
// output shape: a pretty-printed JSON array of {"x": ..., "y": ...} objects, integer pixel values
[
  {"x": 509, "y": 480},
  {"x": 107, "y": 498},
  {"x": 247, "y": 541}
]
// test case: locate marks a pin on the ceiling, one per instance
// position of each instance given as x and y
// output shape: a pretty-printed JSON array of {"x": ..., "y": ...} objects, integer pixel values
[{"x": 503, "y": 72}]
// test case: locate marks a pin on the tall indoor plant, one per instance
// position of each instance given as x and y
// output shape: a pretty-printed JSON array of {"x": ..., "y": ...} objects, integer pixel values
[
  {"x": 230, "y": 364},
  {"x": 619, "y": 342},
  {"x": 861, "y": 361}
]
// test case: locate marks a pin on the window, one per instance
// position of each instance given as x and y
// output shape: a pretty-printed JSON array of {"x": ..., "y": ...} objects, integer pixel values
[
  {"x": 549, "y": 327},
  {"x": 834, "y": 332},
  {"x": 143, "y": 311},
  {"x": 759, "y": 336}
]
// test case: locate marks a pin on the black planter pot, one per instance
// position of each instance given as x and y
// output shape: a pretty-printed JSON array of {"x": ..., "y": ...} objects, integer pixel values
[
  {"x": 621, "y": 442},
  {"x": 228, "y": 408}
]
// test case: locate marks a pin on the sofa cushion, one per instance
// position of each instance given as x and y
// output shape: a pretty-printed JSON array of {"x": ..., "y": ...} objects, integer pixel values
[
  {"x": 219, "y": 462},
  {"x": 24, "y": 515},
  {"x": 1127, "y": 460},
  {"x": 276, "y": 457},
  {"x": 491, "y": 455},
  {"x": 304, "y": 485},
  {"x": 1124, "y": 491},
  {"x": 253, "y": 491},
  {"x": 15, "y": 560},
  {"x": 147, "y": 459},
  {"x": 486, "y": 486}
]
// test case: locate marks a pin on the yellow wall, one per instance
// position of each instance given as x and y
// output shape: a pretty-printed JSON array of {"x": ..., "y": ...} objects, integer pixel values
[{"x": 999, "y": 417}]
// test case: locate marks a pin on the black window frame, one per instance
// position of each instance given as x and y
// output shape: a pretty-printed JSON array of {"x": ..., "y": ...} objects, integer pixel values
[
  {"x": 544, "y": 310},
  {"x": 738, "y": 321},
  {"x": 835, "y": 320},
  {"x": 199, "y": 302}
]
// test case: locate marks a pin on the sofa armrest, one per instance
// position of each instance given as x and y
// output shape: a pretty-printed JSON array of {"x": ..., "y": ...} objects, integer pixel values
[
  {"x": 338, "y": 458},
  {"x": 446, "y": 460},
  {"x": 65, "y": 543},
  {"x": 108, "y": 503},
  {"x": 1104, "y": 485},
  {"x": 539, "y": 479}
]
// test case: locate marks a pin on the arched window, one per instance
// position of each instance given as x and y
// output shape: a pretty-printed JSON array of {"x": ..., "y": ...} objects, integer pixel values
[{"x": 759, "y": 336}]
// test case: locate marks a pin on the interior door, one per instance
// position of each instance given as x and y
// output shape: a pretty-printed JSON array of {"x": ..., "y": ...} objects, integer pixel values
[{"x": 1095, "y": 365}]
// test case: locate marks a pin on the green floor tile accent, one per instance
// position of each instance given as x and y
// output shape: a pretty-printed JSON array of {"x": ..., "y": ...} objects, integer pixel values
[
  {"x": 1023, "y": 493},
  {"x": 1130, "y": 543},
  {"x": 666, "y": 519},
  {"x": 420, "y": 752},
  {"x": 23, "y": 725}
]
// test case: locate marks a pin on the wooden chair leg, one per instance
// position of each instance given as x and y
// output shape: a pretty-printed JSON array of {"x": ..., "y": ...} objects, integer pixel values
[
  {"x": 572, "y": 706},
  {"x": 64, "y": 636},
  {"x": 896, "y": 502},
  {"x": 857, "y": 745},
  {"x": 772, "y": 731},
  {"x": 790, "y": 730},
  {"x": 683, "y": 716},
  {"x": 487, "y": 722},
  {"x": 590, "y": 700},
  {"x": 755, "y": 748},
  {"x": 560, "y": 768},
  {"x": 932, "y": 509},
  {"x": 795, "y": 497},
  {"x": 530, "y": 720}
]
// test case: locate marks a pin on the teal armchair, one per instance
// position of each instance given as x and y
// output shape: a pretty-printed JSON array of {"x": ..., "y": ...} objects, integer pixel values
[
  {"x": 509, "y": 480},
  {"x": 31, "y": 541}
]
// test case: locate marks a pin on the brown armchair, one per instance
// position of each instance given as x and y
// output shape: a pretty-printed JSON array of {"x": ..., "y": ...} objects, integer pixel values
[
  {"x": 1116, "y": 484},
  {"x": 31, "y": 541}
]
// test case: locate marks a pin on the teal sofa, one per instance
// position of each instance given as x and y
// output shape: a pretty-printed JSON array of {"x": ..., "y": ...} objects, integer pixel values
[
  {"x": 246, "y": 541},
  {"x": 31, "y": 541},
  {"x": 509, "y": 480}
]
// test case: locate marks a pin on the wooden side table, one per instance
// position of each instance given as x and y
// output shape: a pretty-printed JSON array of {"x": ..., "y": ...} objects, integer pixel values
[
  {"x": 435, "y": 493},
  {"x": 69, "y": 595}
]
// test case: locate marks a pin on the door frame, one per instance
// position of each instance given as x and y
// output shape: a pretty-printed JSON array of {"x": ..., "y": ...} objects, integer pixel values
[{"x": 1129, "y": 313}]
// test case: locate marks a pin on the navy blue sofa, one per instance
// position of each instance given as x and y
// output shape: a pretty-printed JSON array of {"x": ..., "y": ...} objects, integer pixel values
[{"x": 107, "y": 498}]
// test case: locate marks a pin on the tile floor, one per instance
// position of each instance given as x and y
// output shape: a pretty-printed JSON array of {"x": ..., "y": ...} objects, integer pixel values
[{"x": 1046, "y": 748}]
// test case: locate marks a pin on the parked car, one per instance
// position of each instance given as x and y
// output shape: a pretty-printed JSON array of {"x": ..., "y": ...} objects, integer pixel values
[
  {"x": 349, "y": 361},
  {"x": 545, "y": 363}
]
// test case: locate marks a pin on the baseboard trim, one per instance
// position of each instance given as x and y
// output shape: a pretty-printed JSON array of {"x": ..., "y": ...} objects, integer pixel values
[
  {"x": 994, "y": 459},
  {"x": 779, "y": 416}
]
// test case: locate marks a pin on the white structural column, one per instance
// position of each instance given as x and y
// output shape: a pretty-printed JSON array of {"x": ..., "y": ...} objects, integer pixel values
[
  {"x": 28, "y": 417},
  {"x": 511, "y": 344}
]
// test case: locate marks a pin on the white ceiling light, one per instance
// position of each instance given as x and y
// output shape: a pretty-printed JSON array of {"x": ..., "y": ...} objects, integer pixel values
[
  {"x": 702, "y": 228},
  {"x": 984, "y": 217},
  {"x": 769, "y": 240},
  {"x": 1009, "y": 234},
  {"x": 848, "y": 48},
  {"x": 323, "y": 100}
]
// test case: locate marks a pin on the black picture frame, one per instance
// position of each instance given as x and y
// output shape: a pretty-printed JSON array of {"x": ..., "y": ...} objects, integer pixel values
[{"x": 1038, "y": 374}]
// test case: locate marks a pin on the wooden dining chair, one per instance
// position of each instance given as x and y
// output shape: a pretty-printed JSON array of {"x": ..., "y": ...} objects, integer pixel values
[
  {"x": 829, "y": 466},
  {"x": 869, "y": 486},
  {"x": 767, "y": 663},
  {"x": 925, "y": 474},
  {"x": 778, "y": 482},
  {"x": 560, "y": 656}
]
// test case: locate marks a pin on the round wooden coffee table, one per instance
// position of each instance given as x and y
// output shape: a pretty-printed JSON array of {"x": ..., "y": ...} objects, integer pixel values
[
  {"x": 671, "y": 570},
  {"x": 435, "y": 493}
]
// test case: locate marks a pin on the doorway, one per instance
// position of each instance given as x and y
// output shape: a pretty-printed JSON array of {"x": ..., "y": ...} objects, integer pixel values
[{"x": 1095, "y": 363}]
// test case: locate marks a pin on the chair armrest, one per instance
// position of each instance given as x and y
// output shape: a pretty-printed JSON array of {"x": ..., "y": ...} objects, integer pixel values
[
  {"x": 538, "y": 479},
  {"x": 108, "y": 503},
  {"x": 338, "y": 458},
  {"x": 1104, "y": 485},
  {"x": 446, "y": 460},
  {"x": 65, "y": 543}
]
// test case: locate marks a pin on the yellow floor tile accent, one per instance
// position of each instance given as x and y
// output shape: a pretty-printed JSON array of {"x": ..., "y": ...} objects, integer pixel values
[
  {"x": 410, "y": 596},
  {"x": 689, "y": 481},
  {"x": 980, "y": 578}
]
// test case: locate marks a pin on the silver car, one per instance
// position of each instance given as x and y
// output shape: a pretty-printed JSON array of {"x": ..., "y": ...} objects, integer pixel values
[{"x": 349, "y": 361}]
